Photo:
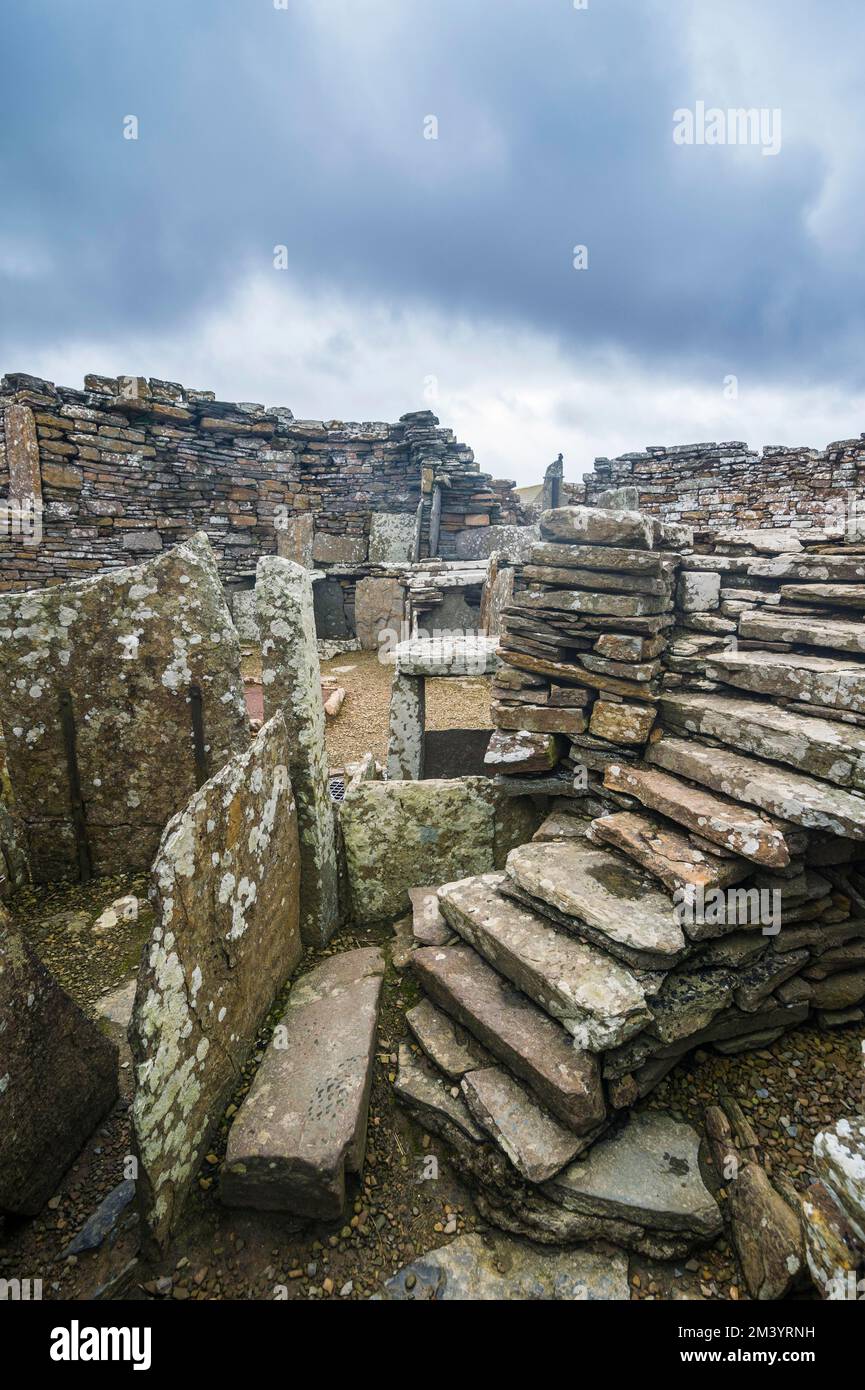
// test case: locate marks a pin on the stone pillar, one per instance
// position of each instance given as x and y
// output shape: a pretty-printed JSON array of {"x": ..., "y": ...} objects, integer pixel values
[
  {"x": 292, "y": 682},
  {"x": 407, "y": 719},
  {"x": 435, "y": 520},
  {"x": 552, "y": 493}
]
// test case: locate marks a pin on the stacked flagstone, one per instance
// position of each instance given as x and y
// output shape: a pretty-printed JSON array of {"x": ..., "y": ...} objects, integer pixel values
[
  {"x": 581, "y": 642},
  {"x": 712, "y": 893}
]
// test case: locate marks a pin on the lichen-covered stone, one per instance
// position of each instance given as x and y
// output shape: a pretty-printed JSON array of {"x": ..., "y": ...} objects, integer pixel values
[
  {"x": 58, "y": 1077},
  {"x": 150, "y": 661},
  {"x": 225, "y": 940},
  {"x": 400, "y": 835},
  {"x": 291, "y": 679}
]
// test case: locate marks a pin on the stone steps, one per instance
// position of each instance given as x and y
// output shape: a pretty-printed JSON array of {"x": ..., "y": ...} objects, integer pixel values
[
  {"x": 302, "y": 1125},
  {"x": 595, "y": 998},
  {"x": 529, "y": 1043},
  {"x": 667, "y": 854},
  {"x": 790, "y": 795},
  {"x": 536, "y": 1144},
  {"x": 832, "y": 751},
  {"x": 603, "y": 898}
]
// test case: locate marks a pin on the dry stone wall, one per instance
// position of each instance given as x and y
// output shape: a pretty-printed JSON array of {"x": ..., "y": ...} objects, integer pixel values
[
  {"x": 128, "y": 467},
  {"x": 721, "y": 486}
]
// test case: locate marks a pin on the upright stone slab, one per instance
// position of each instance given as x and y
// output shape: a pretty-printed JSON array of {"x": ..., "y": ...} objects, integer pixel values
[
  {"x": 58, "y": 1078},
  {"x": 401, "y": 835},
  {"x": 292, "y": 683},
  {"x": 303, "y": 1124},
  {"x": 379, "y": 608},
  {"x": 225, "y": 940},
  {"x": 119, "y": 696},
  {"x": 391, "y": 537},
  {"x": 407, "y": 718},
  {"x": 294, "y": 538}
]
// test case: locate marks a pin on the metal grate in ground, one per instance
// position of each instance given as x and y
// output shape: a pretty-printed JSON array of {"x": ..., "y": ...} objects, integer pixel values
[{"x": 337, "y": 788}]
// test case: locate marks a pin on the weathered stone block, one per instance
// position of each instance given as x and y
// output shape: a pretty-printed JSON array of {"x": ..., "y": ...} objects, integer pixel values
[
  {"x": 391, "y": 537},
  {"x": 399, "y": 835},
  {"x": 329, "y": 549}
]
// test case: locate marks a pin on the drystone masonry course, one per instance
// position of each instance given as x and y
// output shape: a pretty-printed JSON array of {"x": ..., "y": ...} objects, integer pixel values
[
  {"x": 119, "y": 695},
  {"x": 128, "y": 467},
  {"x": 225, "y": 941}
]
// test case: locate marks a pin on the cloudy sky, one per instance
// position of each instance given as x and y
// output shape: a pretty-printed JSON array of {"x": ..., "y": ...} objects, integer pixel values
[{"x": 440, "y": 272}]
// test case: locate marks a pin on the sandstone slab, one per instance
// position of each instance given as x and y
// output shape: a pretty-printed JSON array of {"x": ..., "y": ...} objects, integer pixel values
[
  {"x": 291, "y": 678},
  {"x": 536, "y": 1144},
  {"x": 302, "y": 1125},
  {"x": 495, "y": 1268},
  {"x": 812, "y": 680},
  {"x": 105, "y": 684},
  {"x": 666, "y": 853},
  {"x": 832, "y": 751},
  {"x": 647, "y": 1174},
  {"x": 792, "y": 796},
  {"x": 717, "y": 819},
  {"x": 593, "y": 526},
  {"x": 621, "y": 723},
  {"x": 523, "y": 751},
  {"x": 839, "y": 634},
  {"x": 399, "y": 835},
  {"x": 448, "y": 1046}
]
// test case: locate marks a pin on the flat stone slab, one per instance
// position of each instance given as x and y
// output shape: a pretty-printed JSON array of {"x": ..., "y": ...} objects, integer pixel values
[
  {"x": 495, "y": 1268},
  {"x": 791, "y": 795},
  {"x": 594, "y": 997},
  {"x": 452, "y": 1049},
  {"x": 600, "y": 557},
  {"x": 302, "y": 1125},
  {"x": 717, "y": 819},
  {"x": 811, "y": 680},
  {"x": 845, "y": 595},
  {"x": 666, "y": 853},
  {"x": 609, "y": 902},
  {"x": 821, "y": 747},
  {"x": 402, "y": 834},
  {"x": 562, "y": 825},
  {"x": 839, "y": 634},
  {"x": 425, "y": 1094},
  {"x": 516, "y": 1031},
  {"x": 536, "y": 1144},
  {"x": 447, "y": 656},
  {"x": 648, "y": 1174}
]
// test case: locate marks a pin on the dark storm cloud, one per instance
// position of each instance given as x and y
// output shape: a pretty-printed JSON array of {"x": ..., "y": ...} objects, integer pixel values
[{"x": 303, "y": 126}]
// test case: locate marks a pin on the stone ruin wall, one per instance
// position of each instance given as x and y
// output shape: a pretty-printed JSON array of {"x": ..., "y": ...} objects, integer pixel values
[
  {"x": 127, "y": 468},
  {"x": 729, "y": 486}
]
